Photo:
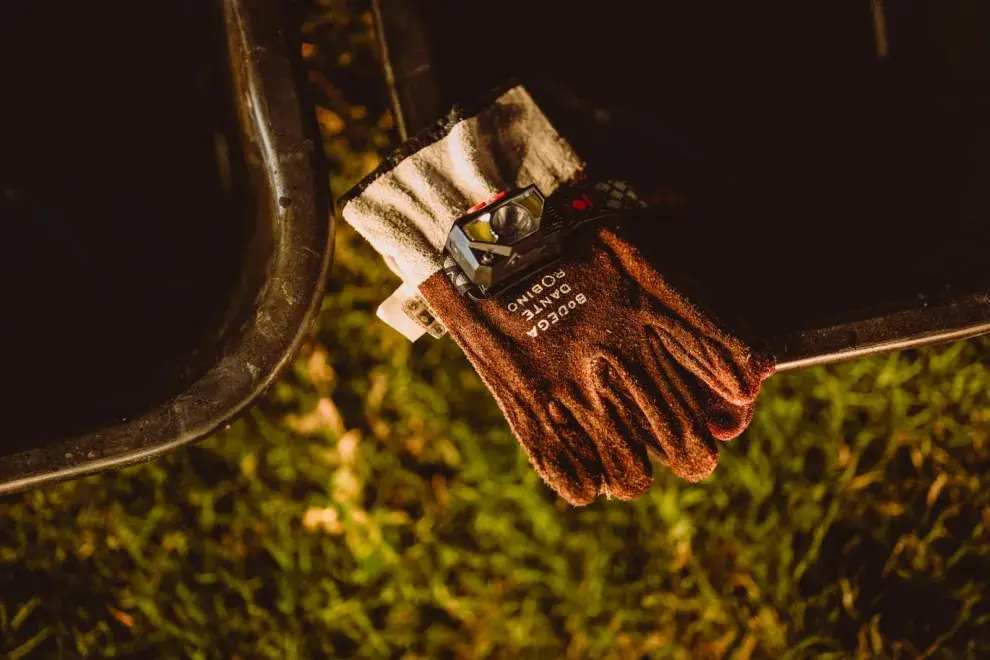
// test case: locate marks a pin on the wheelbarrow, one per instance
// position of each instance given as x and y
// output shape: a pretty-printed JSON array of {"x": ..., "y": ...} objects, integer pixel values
[
  {"x": 165, "y": 225},
  {"x": 853, "y": 135}
]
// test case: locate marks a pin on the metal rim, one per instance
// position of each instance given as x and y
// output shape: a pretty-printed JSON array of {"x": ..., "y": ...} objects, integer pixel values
[{"x": 268, "y": 79}]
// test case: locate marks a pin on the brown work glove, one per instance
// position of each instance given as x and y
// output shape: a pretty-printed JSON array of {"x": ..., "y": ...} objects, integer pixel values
[{"x": 596, "y": 361}]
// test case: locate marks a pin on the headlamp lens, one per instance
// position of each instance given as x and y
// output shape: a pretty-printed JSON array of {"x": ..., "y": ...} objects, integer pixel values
[{"x": 512, "y": 222}]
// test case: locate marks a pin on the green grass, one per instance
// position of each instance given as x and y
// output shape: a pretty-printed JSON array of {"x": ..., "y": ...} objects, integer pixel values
[{"x": 375, "y": 504}]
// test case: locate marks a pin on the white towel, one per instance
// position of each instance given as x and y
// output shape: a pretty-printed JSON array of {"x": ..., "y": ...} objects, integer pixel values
[{"x": 407, "y": 211}]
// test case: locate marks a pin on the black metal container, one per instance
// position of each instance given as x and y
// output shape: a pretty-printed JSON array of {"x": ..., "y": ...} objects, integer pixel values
[
  {"x": 165, "y": 225},
  {"x": 854, "y": 138}
]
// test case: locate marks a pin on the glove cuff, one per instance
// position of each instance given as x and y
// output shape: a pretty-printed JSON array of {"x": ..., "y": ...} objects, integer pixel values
[{"x": 407, "y": 207}]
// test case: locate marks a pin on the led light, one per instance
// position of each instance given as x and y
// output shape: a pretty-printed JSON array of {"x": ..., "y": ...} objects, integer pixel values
[{"x": 480, "y": 229}]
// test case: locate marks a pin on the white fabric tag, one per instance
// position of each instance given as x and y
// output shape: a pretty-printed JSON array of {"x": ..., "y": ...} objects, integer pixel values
[{"x": 406, "y": 311}]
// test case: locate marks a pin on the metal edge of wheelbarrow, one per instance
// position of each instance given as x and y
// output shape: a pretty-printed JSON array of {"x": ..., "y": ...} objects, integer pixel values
[
  {"x": 413, "y": 89},
  {"x": 268, "y": 83}
]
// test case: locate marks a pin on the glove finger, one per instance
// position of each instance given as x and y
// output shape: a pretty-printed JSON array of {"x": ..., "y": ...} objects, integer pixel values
[
  {"x": 672, "y": 404},
  {"x": 729, "y": 374},
  {"x": 557, "y": 447},
  {"x": 727, "y": 420},
  {"x": 626, "y": 469},
  {"x": 726, "y": 416},
  {"x": 674, "y": 431},
  {"x": 722, "y": 361},
  {"x": 630, "y": 391}
]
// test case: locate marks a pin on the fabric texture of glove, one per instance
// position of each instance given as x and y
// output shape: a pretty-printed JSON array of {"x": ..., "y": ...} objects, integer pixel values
[{"x": 596, "y": 361}]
